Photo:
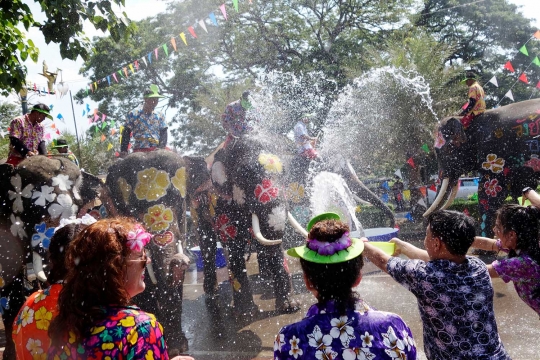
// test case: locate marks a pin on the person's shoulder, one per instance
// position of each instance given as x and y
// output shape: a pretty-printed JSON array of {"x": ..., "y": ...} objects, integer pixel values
[{"x": 382, "y": 318}]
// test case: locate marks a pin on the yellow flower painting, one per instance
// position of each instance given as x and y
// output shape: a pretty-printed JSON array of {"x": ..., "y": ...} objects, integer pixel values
[
  {"x": 493, "y": 163},
  {"x": 152, "y": 184},
  {"x": 158, "y": 218},
  {"x": 179, "y": 181},
  {"x": 271, "y": 163},
  {"x": 295, "y": 192}
]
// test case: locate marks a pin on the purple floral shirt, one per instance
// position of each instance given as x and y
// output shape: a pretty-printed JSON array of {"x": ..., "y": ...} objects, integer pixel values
[
  {"x": 234, "y": 119},
  {"x": 30, "y": 135},
  {"x": 525, "y": 273},
  {"x": 362, "y": 333},
  {"x": 125, "y": 333}
]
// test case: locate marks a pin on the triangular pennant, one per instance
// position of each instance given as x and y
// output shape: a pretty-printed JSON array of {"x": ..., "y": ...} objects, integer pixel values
[
  {"x": 88, "y": 108},
  {"x": 109, "y": 147},
  {"x": 125, "y": 71},
  {"x": 173, "y": 43},
  {"x": 53, "y": 126},
  {"x": 131, "y": 68},
  {"x": 538, "y": 85},
  {"x": 96, "y": 117},
  {"x": 433, "y": 188},
  {"x": 537, "y": 34},
  {"x": 113, "y": 131},
  {"x": 425, "y": 148},
  {"x": 223, "y": 11},
  {"x": 411, "y": 162},
  {"x": 136, "y": 62},
  {"x": 213, "y": 18},
  {"x": 523, "y": 50},
  {"x": 166, "y": 49},
  {"x": 183, "y": 37},
  {"x": 493, "y": 80},
  {"x": 103, "y": 117},
  {"x": 203, "y": 25},
  {"x": 149, "y": 56},
  {"x": 235, "y": 4},
  {"x": 87, "y": 91},
  {"x": 523, "y": 78},
  {"x": 536, "y": 61},
  {"x": 509, "y": 95},
  {"x": 508, "y": 66},
  {"x": 109, "y": 79},
  {"x": 115, "y": 78},
  {"x": 120, "y": 72},
  {"x": 103, "y": 138},
  {"x": 144, "y": 60},
  {"x": 83, "y": 112},
  {"x": 192, "y": 31},
  {"x": 156, "y": 52},
  {"x": 95, "y": 111},
  {"x": 113, "y": 123},
  {"x": 60, "y": 117}
]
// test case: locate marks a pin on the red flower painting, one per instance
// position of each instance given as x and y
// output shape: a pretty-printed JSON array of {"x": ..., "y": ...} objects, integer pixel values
[
  {"x": 492, "y": 187},
  {"x": 266, "y": 192},
  {"x": 226, "y": 231}
]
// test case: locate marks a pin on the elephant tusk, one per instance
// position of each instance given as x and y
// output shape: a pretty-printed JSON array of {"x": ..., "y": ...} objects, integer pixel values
[
  {"x": 299, "y": 229},
  {"x": 38, "y": 267},
  {"x": 151, "y": 272},
  {"x": 451, "y": 198},
  {"x": 439, "y": 198},
  {"x": 257, "y": 231}
]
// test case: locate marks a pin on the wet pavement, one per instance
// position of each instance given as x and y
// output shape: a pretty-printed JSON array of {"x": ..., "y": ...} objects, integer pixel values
[{"x": 229, "y": 336}]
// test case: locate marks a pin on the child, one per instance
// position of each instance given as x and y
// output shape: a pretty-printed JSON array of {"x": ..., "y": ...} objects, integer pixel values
[
  {"x": 454, "y": 291},
  {"x": 340, "y": 325},
  {"x": 517, "y": 230}
]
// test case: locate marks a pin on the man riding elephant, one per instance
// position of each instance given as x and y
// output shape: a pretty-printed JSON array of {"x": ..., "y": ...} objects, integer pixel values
[{"x": 476, "y": 105}]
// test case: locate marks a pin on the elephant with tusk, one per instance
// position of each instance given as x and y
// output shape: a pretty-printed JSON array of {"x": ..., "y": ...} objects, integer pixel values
[
  {"x": 35, "y": 196},
  {"x": 501, "y": 145}
]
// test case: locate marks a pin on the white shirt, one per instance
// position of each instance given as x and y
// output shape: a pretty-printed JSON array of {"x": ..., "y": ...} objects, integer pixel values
[{"x": 300, "y": 132}]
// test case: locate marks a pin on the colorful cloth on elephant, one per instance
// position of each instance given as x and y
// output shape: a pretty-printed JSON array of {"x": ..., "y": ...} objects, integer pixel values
[
  {"x": 30, "y": 135},
  {"x": 124, "y": 333},
  {"x": 476, "y": 92},
  {"x": 456, "y": 307},
  {"x": 32, "y": 323},
  {"x": 145, "y": 127},
  {"x": 525, "y": 273},
  {"x": 234, "y": 119},
  {"x": 360, "y": 333}
]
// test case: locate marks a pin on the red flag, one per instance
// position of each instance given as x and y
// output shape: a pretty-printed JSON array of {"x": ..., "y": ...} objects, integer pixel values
[
  {"x": 433, "y": 188},
  {"x": 411, "y": 162},
  {"x": 538, "y": 85},
  {"x": 537, "y": 34},
  {"x": 136, "y": 62},
  {"x": 508, "y": 66},
  {"x": 192, "y": 31},
  {"x": 523, "y": 78}
]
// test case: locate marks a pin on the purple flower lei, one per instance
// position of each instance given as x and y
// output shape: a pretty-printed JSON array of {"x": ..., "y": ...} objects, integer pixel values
[{"x": 329, "y": 248}]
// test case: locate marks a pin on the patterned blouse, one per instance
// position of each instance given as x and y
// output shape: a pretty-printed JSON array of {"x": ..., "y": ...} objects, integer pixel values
[
  {"x": 30, "y": 135},
  {"x": 145, "y": 127},
  {"x": 32, "y": 323},
  {"x": 525, "y": 273},
  {"x": 234, "y": 119},
  {"x": 125, "y": 333},
  {"x": 362, "y": 333}
]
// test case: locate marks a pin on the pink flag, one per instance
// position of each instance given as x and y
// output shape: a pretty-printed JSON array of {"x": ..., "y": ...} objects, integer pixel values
[
  {"x": 136, "y": 62},
  {"x": 223, "y": 11},
  {"x": 96, "y": 117},
  {"x": 103, "y": 117},
  {"x": 155, "y": 52},
  {"x": 114, "y": 76},
  {"x": 538, "y": 85}
]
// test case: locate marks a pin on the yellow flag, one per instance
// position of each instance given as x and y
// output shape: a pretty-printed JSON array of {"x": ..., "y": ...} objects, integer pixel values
[
  {"x": 183, "y": 36},
  {"x": 131, "y": 68},
  {"x": 109, "y": 147},
  {"x": 407, "y": 194}
]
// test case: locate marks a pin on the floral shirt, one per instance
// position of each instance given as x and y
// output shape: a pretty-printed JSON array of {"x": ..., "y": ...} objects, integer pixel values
[
  {"x": 145, "y": 127},
  {"x": 525, "y": 273},
  {"x": 30, "y": 135},
  {"x": 32, "y": 323},
  {"x": 234, "y": 119},
  {"x": 125, "y": 333},
  {"x": 362, "y": 333},
  {"x": 456, "y": 307},
  {"x": 477, "y": 93}
]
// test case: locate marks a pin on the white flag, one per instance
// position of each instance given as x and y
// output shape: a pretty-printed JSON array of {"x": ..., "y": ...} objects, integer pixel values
[
  {"x": 509, "y": 95},
  {"x": 398, "y": 173},
  {"x": 144, "y": 59},
  {"x": 493, "y": 80},
  {"x": 421, "y": 202},
  {"x": 203, "y": 25}
]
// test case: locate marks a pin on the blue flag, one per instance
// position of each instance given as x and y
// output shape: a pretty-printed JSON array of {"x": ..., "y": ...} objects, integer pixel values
[
  {"x": 60, "y": 117},
  {"x": 87, "y": 108},
  {"x": 213, "y": 18}
]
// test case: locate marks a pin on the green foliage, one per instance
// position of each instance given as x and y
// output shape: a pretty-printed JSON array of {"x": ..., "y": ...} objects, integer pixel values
[
  {"x": 8, "y": 111},
  {"x": 63, "y": 25}
]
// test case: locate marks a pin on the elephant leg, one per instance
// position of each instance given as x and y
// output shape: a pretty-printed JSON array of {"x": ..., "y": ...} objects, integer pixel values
[
  {"x": 15, "y": 292},
  {"x": 208, "y": 246},
  {"x": 242, "y": 294},
  {"x": 271, "y": 259}
]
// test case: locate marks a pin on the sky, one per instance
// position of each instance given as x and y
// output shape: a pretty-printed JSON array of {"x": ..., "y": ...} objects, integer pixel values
[{"x": 136, "y": 10}]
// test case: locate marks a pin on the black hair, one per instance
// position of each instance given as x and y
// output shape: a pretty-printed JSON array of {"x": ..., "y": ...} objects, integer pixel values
[
  {"x": 57, "y": 250},
  {"x": 40, "y": 107},
  {"x": 333, "y": 281},
  {"x": 245, "y": 94},
  {"x": 456, "y": 230},
  {"x": 524, "y": 221}
]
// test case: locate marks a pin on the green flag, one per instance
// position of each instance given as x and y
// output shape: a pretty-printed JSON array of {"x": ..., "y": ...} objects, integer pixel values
[
  {"x": 235, "y": 4},
  {"x": 523, "y": 50},
  {"x": 166, "y": 49},
  {"x": 121, "y": 73},
  {"x": 536, "y": 61},
  {"x": 425, "y": 148}
]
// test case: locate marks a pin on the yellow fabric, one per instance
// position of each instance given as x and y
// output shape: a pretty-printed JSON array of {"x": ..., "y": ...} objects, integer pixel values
[{"x": 476, "y": 92}]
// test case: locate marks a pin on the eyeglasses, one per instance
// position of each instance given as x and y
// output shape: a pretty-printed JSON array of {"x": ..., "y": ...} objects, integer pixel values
[{"x": 143, "y": 259}]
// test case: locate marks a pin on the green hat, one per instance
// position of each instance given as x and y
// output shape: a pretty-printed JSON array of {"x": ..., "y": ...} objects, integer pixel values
[
  {"x": 342, "y": 254},
  {"x": 42, "y": 108},
  {"x": 153, "y": 92},
  {"x": 59, "y": 143},
  {"x": 470, "y": 75}
]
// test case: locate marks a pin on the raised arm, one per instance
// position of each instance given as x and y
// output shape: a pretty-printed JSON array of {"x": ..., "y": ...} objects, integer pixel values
[{"x": 409, "y": 250}]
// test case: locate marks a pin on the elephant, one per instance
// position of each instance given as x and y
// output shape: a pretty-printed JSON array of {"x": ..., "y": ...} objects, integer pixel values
[
  {"x": 154, "y": 188},
  {"x": 501, "y": 145},
  {"x": 35, "y": 195}
]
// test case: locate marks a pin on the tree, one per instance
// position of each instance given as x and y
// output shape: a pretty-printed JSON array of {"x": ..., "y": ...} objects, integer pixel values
[
  {"x": 63, "y": 25},
  {"x": 8, "y": 111}
]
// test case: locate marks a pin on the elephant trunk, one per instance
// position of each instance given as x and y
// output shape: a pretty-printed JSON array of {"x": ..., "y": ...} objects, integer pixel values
[
  {"x": 357, "y": 186},
  {"x": 296, "y": 225},
  {"x": 257, "y": 231}
]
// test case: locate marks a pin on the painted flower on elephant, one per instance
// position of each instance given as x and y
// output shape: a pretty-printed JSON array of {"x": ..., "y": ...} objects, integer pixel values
[
  {"x": 238, "y": 195},
  {"x": 43, "y": 235},
  {"x": 62, "y": 181},
  {"x": 18, "y": 194},
  {"x": 493, "y": 163},
  {"x": 63, "y": 207},
  {"x": 46, "y": 195},
  {"x": 125, "y": 189},
  {"x": 266, "y": 191},
  {"x": 277, "y": 218},
  {"x": 492, "y": 187},
  {"x": 179, "y": 181},
  {"x": 158, "y": 218},
  {"x": 226, "y": 231},
  {"x": 152, "y": 184},
  {"x": 295, "y": 192},
  {"x": 533, "y": 163},
  {"x": 218, "y": 173},
  {"x": 17, "y": 226},
  {"x": 271, "y": 163}
]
